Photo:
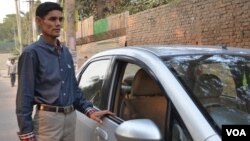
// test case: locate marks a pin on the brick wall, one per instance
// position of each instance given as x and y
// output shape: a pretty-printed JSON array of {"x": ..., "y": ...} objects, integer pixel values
[{"x": 207, "y": 22}]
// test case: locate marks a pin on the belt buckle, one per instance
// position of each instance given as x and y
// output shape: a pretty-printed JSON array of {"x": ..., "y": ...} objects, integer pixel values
[{"x": 67, "y": 110}]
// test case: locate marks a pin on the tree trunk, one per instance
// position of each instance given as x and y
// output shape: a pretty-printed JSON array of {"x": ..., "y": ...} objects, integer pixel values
[
  {"x": 19, "y": 30},
  {"x": 69, "y": 8},
  {"x": 100, "y": 6}
]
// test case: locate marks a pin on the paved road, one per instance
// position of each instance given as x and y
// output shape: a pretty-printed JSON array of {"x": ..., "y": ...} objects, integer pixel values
[{"x": 8, "y": 123}]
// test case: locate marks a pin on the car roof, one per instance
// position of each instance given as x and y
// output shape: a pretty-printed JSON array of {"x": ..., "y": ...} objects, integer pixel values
[{"x": 173, "y": 50}]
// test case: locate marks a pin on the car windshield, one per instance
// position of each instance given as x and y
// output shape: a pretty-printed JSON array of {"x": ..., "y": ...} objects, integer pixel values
[{"x": 219, "y": 84}]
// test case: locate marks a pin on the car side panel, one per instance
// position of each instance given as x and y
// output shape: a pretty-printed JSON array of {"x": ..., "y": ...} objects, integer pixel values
[
  {"x": 84, "y": 127},
  {"x": 89, "y": 130}
]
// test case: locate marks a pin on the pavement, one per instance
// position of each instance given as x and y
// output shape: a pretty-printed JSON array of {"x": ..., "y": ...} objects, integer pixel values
[{"x": 8, "y": 122}]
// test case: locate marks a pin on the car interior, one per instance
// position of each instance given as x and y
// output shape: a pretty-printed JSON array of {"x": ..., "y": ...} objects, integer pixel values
[
  {"x": 208, "y": 89},
  {"x": 145, "y": 100}
]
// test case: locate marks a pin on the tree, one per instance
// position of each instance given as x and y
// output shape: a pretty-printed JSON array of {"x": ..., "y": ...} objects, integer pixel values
[
  {"x": 69, "y": 8},
  {"x": 8, "y": 28},
  {"x": 86, "y": 8},
  {"x": 102, "y": 8}
]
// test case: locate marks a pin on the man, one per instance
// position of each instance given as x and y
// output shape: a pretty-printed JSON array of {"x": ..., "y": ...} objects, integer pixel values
[
  {"x": 12, "y": 72},
  {"x": 8, "y": 64},
  {"x": 47, "y": 79}
]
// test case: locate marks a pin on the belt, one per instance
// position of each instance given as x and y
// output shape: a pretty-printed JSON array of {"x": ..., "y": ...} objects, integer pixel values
[{"x": 65, "y": 110}]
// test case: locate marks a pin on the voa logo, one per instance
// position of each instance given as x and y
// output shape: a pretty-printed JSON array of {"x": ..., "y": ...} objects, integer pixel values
[{"x": 236, "y": 132}]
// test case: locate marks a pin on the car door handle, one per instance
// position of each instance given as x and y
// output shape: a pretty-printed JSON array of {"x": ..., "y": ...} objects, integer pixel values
[{"x": 102, "y": 133}]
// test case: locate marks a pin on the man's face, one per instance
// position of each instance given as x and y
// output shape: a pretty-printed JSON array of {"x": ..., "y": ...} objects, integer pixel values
[{"x": 51, "y": 24}]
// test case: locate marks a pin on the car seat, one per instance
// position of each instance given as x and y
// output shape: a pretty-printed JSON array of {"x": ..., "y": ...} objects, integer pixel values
[{"x": 145, "y": 101}]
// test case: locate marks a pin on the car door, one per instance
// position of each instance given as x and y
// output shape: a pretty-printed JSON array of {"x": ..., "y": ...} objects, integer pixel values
[{"x": 91, "y": 81}]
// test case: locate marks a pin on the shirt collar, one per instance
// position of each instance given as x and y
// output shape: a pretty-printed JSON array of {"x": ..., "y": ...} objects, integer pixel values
[{"x": 48, "y": 45}]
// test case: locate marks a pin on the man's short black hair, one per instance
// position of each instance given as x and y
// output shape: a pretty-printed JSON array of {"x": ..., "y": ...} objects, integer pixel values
[{"x": 44, "y": 8}]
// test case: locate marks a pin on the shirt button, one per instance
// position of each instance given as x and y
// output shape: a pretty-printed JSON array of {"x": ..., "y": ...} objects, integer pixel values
[
  {"x": 63, "y": 82},
  {"x": 61, "y": 69},
  {"x": 64, "y": 94}
]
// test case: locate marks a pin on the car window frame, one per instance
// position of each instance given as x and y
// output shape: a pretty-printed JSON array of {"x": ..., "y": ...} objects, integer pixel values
[
  {"x": 104, "y": 103},
  {"x": 120, "y": 64}
]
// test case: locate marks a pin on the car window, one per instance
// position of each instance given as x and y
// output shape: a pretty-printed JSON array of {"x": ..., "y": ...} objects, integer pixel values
[
  {"x": 222, "y": 71},
  {"x": 140, "y": 97},
  {"x": 91, "y": 80},
  {"x": 220, "y": 83}
]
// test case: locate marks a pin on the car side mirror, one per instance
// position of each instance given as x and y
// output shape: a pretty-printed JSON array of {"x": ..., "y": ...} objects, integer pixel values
[{"x": 138, "y": 130}]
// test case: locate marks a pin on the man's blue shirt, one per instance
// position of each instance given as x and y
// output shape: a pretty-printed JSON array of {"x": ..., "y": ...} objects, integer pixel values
[{"x": 46, "y": 77}]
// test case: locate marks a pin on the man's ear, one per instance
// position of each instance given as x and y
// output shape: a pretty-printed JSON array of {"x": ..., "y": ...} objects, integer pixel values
[{"x": 38, "y": 21}]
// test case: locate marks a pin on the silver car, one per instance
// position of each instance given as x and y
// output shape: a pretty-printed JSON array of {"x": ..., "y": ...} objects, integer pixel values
[{"x": 167, "y": 93}]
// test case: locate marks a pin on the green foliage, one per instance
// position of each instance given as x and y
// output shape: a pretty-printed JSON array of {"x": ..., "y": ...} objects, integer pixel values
[
  {"x": 7, "y": 28},
  {"x": 135, "y": 6},
  {"x": 88, "y": 8},
  {"x": 9, "y": 34}
]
